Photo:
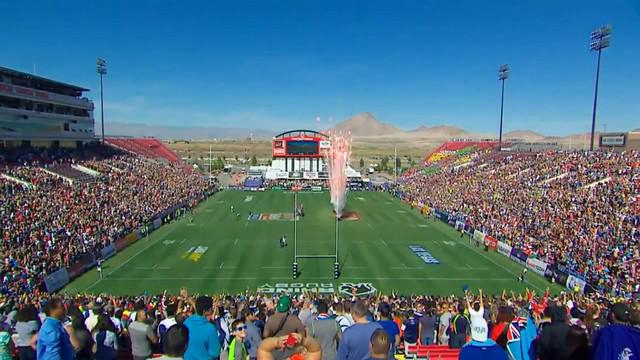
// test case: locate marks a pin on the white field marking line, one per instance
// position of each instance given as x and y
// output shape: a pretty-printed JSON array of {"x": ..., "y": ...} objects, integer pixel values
[
  {"x": 499, "y": 265},
  {"x": 226, "y": 267},
  {"x": 472, "y": 268},
  {"x": 369, "y": 225},
  {"x": 384, "y": 242},
  {"x": 221, "y": 265},
  {"x": 308, "y": 278},
  {"x": 129, "y": 259},
  {"x": 274, "y": 267},
  {"x": 246, "y": 224},
  {"x": 154, "y": 267},
  {"x": 354, "y": 267},
  {"x": 405, "y": 267},
  {"x": 235, "y": 242},
  {"x": 182, "y": 241}
]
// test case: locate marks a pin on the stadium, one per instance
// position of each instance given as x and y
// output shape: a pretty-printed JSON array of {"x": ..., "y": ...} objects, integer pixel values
[{"x": 120, "y": 246}]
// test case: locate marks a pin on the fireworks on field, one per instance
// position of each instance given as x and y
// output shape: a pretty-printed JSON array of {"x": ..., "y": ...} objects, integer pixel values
[{"x": 337, "y": 158}]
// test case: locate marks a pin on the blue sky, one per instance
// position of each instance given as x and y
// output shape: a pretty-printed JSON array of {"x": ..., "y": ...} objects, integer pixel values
[{"x": 279, "y": 64}]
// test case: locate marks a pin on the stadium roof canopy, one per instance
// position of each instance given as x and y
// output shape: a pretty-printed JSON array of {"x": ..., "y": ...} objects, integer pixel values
[
  {"x": 27, "y": 76},
  {"x": 292, "y": 133}
]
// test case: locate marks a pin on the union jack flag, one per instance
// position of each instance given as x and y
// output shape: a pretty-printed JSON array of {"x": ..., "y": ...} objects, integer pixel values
[{"x": 513, "y": 334}]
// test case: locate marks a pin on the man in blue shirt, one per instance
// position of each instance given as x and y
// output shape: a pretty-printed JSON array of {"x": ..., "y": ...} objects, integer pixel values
[
  {"x": 410, "y": 328},
  {"x": 54, "y": 339},
  {"x": 203, "y": 335},
  {"x": 389, "y": 326},
  {"x": 619, "y": 340},
  {"x": 354, "y": 343},
  {"x": 380, "y": 345}
]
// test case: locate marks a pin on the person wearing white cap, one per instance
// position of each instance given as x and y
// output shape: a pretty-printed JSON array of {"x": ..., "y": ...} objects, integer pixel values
[{"x": 480, "y": 346}]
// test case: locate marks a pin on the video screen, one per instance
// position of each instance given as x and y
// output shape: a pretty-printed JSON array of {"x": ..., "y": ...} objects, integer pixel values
[{"x": 302, "y": 147}]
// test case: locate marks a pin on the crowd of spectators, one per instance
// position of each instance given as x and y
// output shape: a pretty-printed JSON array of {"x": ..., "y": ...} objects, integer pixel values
[
  {"x": 268, "y": 326},
  {"x": 576, "y": 209},
  {"x": 48, "y": 223}
]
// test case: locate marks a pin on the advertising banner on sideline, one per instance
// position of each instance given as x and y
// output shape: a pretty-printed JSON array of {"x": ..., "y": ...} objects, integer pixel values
[
  {"x": 575, "y": 282},
  {"x": 504, "y": 249},
  {"x": 56, "y": 280},
  {"x": 536, "y": 265},
  {"x": 478, "y": 236},
  {"x": 491, "y": 242}
]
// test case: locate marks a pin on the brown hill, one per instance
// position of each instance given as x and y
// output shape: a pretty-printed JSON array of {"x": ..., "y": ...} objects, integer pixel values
[
  {"x": 365, "y": 124},
  {"x": 527, "y": 135},
  {"x": 440, "y": 131}
]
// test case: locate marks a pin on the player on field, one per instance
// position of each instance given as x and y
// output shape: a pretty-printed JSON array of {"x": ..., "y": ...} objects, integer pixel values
[
  {"x": 521, "y": 278},
  {"x": 99, "y": 268}
]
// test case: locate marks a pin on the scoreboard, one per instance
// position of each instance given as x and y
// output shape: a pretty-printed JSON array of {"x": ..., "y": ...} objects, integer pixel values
[{"x": 300, "y": 146}]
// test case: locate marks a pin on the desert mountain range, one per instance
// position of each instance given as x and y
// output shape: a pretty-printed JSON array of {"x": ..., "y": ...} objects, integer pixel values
[{"x": 363, "y": 127}]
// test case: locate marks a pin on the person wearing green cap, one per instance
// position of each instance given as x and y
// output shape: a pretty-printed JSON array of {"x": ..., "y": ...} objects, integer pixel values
[{"x": 282, "y": 323}]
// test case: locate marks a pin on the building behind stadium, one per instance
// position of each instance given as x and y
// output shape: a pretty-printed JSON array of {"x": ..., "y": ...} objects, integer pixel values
[
  {"x": 621, "y": 141},
  {"x": 40, "y": 112},
  {"x": 298, "y": 154}
]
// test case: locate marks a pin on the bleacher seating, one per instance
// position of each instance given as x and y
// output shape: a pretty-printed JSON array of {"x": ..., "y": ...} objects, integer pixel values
[
  {"x": 452, "y": 150},
  {"x": 432, "y": 352},
  {"x": 68, "y": 172},
  {"x": 148, "y": 147}
]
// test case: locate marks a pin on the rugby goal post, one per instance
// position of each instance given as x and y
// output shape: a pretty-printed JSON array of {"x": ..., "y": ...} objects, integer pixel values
[{"x": 296, "y": 256}]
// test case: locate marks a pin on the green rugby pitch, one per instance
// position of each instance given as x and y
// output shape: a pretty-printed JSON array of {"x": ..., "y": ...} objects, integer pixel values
[{"x": 222, "y": 252}]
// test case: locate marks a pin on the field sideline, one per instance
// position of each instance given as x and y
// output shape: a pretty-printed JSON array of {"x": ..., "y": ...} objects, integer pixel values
[{"x": 221, "y": 251}]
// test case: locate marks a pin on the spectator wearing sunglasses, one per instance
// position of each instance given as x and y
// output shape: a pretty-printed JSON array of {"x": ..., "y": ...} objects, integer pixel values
[{"x": 237, "y": 350}]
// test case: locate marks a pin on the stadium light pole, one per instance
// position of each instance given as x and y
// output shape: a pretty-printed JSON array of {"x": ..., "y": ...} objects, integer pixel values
[
  {"x": 600, "y": 39},
  {"x": 101, "y": 69},
  {"x": 503, "y": 74},
  {"x": 395, "y": 165}
]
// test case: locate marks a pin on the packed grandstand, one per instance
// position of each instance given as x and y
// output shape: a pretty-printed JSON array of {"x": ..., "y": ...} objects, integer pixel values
[{"x": 578, "y": 212}]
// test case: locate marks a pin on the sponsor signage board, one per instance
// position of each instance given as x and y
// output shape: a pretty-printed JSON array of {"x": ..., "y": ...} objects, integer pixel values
[
  {"x": 612, "y": 140},
  {"x": 574, "y": 283},
  {"x": 491, "y": 242},
  {"x": 536, "y": 265},
  {"x": 56, "y": 280},
  {"x": 478, "y": 236},
  {"x": 504, "y": 249}
]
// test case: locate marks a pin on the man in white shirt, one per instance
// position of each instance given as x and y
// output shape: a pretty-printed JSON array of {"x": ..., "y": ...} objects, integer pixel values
[
  {"x": 343, "y": 317},
  {"x": 168, "y": 322},
  {"x": 477, "y": 310},
  {"x": 96, "y": 309}
]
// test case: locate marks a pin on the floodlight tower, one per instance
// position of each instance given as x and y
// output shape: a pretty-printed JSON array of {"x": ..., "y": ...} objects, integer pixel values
[
  {"x": 503, "y": 74},
  {"x": 101, "y": 69},
  {"x": 600, "y": 39}
]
